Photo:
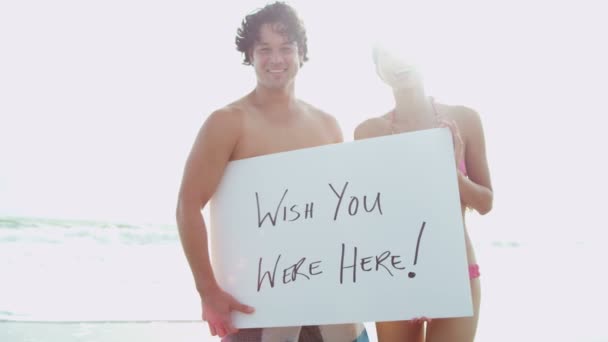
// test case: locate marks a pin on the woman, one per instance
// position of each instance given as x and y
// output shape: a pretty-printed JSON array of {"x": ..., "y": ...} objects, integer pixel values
[{"x": 414, "y": 110}]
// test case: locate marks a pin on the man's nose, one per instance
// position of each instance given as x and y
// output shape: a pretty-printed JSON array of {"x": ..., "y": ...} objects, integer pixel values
[{"x": 276, "y": 57}]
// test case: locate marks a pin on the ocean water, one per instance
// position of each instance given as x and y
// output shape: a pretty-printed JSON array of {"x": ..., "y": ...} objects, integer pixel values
[
  {"x": 59, "y": 270},
  {"x": 63, "y": 280}
]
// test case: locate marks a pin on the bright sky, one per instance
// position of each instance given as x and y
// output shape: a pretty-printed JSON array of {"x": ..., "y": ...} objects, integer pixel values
[{"x": 100, "y": 101}]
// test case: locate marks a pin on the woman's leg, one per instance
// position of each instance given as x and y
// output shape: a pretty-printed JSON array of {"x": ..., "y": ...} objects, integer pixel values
[
  {"x": 460, "y": 329},
  {"x": 400, "y": 331}
]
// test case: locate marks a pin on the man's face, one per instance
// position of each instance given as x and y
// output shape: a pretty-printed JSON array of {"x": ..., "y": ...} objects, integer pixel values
[{"x": 276, "y": 61}]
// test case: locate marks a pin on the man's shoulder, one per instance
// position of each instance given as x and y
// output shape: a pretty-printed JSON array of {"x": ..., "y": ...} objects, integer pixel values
[
  {"x": 316, "y": 112},
  {"x": 229, "y": 113},
  {"x": 227, "y": 119},
  {"x": 324, "y": 121}
]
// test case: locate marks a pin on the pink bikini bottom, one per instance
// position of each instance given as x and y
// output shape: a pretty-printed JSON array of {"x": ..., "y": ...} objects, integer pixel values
[{"x": 474, "y": 271}]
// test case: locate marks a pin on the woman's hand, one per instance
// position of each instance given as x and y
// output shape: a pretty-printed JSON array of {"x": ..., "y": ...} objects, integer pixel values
[{"x": 456, "y": 139}]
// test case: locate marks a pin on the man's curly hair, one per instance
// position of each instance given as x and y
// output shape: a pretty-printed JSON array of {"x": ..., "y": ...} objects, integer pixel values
[{"x": 283, "y": 19}]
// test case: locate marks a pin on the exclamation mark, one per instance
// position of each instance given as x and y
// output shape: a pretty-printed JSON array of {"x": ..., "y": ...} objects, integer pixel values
[{"x": 413, "y": 274}]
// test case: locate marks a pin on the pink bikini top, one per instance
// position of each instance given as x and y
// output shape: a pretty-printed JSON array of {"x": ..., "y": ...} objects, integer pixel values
[
  {"x": 461, "y": 164},
  {"x": 462, "y": 167}
]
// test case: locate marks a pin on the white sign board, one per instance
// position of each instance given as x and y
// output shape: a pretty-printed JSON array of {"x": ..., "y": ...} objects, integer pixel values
[{"x": 363, "y": 231}]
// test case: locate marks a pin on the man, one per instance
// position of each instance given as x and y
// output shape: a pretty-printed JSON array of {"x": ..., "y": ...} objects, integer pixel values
[{"x": 269, "y": 119}]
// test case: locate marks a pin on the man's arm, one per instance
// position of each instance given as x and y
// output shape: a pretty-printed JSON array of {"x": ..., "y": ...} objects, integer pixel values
[{"x": 204, "y": 168}]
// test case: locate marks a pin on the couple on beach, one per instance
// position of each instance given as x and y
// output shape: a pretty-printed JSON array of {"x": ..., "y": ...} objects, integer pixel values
[{"x": 271, "y": 119}]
